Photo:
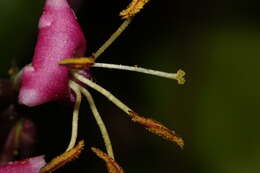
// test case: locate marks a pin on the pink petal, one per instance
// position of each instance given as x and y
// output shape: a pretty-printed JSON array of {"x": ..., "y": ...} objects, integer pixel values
[
  {"x": 32, "y": 165},
  {"x": 60, "y": 37}
]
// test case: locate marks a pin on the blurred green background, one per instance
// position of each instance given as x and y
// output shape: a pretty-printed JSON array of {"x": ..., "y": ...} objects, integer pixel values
[{"x": 217, "y": 43}]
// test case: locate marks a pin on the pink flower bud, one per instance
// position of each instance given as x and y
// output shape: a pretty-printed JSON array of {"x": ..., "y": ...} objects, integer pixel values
[
  {"x": 20, "y": 138},
  {"x": 60, "y": 37},
  {"x": 32, "y": 165}
]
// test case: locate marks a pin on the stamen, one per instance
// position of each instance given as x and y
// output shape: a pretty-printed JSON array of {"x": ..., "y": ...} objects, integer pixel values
[
  {"x": 103, "y": 91},
  {"x": 113, "y": 37},
  {"x": 133, "y": 8},
  {"x": 63, "y": 159},
  {"x": 99, "y": 121},
  {"x": 157, "y": 128},
  {"x": 179, "y": 76},
  {"x": 78, "y": 63},
  {"x": 151, "y": 125},
  {"x": 74, "y": 130},
  {"x": 112, "y": 165}
]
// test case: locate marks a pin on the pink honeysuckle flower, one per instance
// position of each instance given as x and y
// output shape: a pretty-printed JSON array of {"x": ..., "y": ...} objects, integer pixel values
[
  {"x": 60, "y": 37},
  {"x": 60, "y": 40},
  {"x": 31, "y": 165}
]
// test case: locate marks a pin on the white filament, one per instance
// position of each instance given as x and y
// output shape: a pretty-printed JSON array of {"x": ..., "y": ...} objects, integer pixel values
[
  {"x": 74, "y": 131},
  {"x": 103, "y": 91},
  {"x": 137, "y": 69},
  {"x": 99, "y": 121}
]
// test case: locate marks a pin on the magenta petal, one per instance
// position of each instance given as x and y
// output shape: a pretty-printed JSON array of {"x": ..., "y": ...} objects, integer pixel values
[
  {"x": 60, "y": 37},
  {"x": 32, "y": 165}
]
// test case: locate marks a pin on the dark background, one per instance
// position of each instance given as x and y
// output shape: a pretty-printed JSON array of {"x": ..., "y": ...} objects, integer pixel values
[{"x": 216, "y": 111}]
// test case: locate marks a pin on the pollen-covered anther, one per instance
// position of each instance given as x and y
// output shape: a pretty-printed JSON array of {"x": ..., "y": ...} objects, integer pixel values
[
  {"x": 112, "y": 166},
  {"x": 78, "y": 63},
  {"x": 157, "y": 128},
  {"x": 180, "y": 77},
  {"x": 63, "y": 159},
  {"x": 133, "y": 8}
]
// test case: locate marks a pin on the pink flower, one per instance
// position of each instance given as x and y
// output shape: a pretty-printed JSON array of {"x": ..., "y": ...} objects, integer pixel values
[
  {"x": 32, "y": 165},
  {"x": 60, "y": 37}
]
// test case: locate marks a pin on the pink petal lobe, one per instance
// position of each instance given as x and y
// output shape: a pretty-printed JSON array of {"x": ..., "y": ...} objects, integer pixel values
[
  {"x": 59, "y": 37},
  {"x": 32, "y": 165}
]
